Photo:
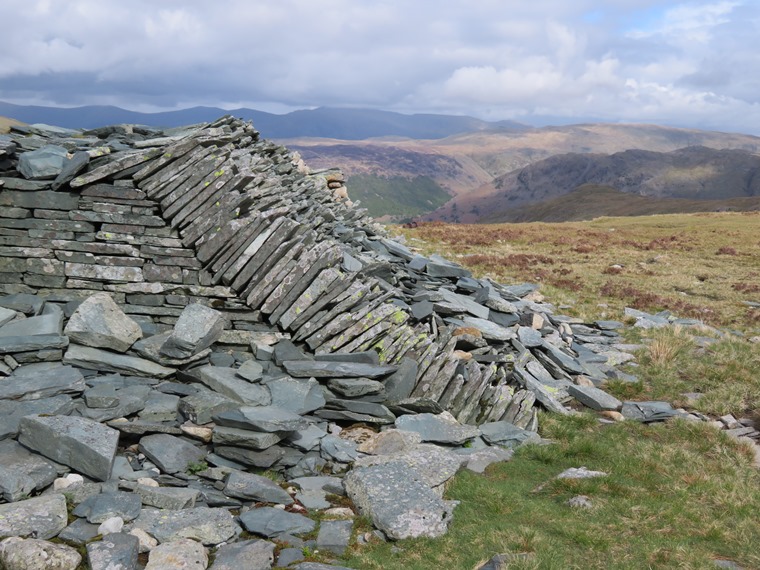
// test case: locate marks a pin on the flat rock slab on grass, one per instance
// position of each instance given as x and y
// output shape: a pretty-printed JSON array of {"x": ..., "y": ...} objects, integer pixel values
[
  {"x": 84, "y": 445},
  {"x": 99, "y": 508},
  {"x": 433, "y": 465},
  {"x": 594, "y": 398},
  {"x": 100, "y": 323},
  {"x": 261, "y": 418},
  {"x": 580, "y": 473},
  {"x": 42, "y": 517},
  {"x": 648, "y": 411},
  {"x": 249, "y": 486},
  {"x": 398, "y": 502},
  {"x": 117, "y": 551},
  {"x": 507, "y": 435},
  {"x": 171, "y": 454},
  {"x": 438, "y": 428},
  {"x": 33, "y": 554},
  {"x": 309, "y": 369},
  {"x": 180, "y": 554},
  {"x": 105, "y": 361},
  {"x": 272, "y": 523},
  {"x": 206, "y": 525},
  {"x": 197, "y": 328},
  {"x": 33, "y": 383},
  {"x": 247, "y": 554}
]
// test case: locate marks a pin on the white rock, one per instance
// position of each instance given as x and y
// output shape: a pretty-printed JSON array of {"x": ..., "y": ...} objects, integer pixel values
[
  {"x": 111, "y": 526},
  {"x": 148, "y": 482},
  {"x": 147, "y": 542}
]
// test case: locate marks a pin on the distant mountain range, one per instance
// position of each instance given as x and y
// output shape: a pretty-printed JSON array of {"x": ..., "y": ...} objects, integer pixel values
[
  {"x": 692, "y": 173},
  {"x": 324, "y": 122}
]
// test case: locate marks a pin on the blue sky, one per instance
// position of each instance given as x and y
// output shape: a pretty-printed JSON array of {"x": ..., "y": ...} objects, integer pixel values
[{"x": 692, "y": 63}]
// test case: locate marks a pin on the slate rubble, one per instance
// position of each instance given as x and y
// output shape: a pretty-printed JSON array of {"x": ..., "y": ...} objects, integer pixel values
[{"x": 205, "y": 275}]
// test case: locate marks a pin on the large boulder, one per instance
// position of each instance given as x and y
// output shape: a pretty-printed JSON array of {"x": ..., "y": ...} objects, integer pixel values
[
  {"x": 41, "y": 517},
  {"x": 100, "y": 323},
  {"x": 197, "y": 328},
  {"x": 34, "y": 554}
]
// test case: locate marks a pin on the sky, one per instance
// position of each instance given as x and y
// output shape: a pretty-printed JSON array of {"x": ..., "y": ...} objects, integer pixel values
[{"x": 691, "y": 63}]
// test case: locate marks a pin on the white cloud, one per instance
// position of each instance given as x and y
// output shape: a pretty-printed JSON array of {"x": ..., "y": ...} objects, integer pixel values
[{"x": 690, "y": 62}]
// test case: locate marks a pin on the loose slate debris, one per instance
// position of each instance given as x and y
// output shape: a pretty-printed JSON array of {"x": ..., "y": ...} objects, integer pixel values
[{"x": 151, "y": 278}]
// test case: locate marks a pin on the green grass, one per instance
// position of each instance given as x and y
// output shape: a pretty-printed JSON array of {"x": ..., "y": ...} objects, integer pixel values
[
  {"x": 396, "y": 196},
  {"x": 678, "y": 495}
]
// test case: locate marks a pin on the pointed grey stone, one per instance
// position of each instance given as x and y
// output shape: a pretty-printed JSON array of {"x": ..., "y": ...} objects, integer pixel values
[
  {"x": 84, "y": 445},
  {"x": 197, "y": 327},
  {"x": 594, "y": 398},
  {"x": 100, "y": 323}
]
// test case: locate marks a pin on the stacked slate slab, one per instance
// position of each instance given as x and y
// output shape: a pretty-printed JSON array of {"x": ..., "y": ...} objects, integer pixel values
[{"x": 183, "y": 309}]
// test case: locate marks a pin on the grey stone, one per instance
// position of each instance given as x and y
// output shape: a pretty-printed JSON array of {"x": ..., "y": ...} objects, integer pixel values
[
  {"x": 197, "y": 328},
  {"x": 116, "y": 551},
  {"x": 273, "y": 523},
  {"x": 440, "y": 428},
  {"x": 99, "y": 508},
  {"x": 261, "y": 418},
  {"x": 171, "y": 498},
  {"x": 489, "y": 330},
  {"x": 226, "y": 381},
  {"x": 397, "y": 501},
  {"x": 104, "y": 361},
  {"x": 306, "y": 369},
  {"x": 507, "y": 435},
  {"x": 580, "y": 473},
  {"x": 390, "y": 442},
  {"x": 355, "y": 387},
  {"x": 255, "y": 487},
  {"x": 400, "y": 384},
  {"x": 289, "y": 556},
  {"x": 206, "y": 525},
  {"x": 246, "y": 554},
  {"x": 14, "y": 344},
  {"x": 71, "y": 168},
  {"x": 150, "y": 348},
  {"x": 434, "y": 465},
  {"x": 478, "y": 459},
  {"x": 42, "y": 164},
  {"x": 594, "y": 398},
  {"x": 649, "y": 411},
  {"x": 36, "y": 382},
  {"x": 251, "y": 370},
  {"x": 160, "y": 407},
  {"x": 79, "y": 532},
  {"x": 22, "y": 472},
  {"x": 200, "y": 407},
  {"x": 298, "y": 395},
  {"x": 306, "y": 439},
  {"x": 178, "y": 554},
  {"x": 23, "y": 302},
  {"x": 50, "y": 324},
  {"x": 245, "y": 438},
  {"x": 34, "y": 554},
  {"x": 131, "y": 399},
  {"x": 100, "y": 323},
  {"x": 443, "y": 268},
  {"x": 334, "y": 448},
  {"x": 250, "y": 457},
  {"x": 286, "y": 350},
  {"x": 82, "y": 444},
  {"x": 171, "y": 454},
  {"x": 41, "y": 517},
  {"x": 334, "y": 536},
  {"x": 366, "y": 357},
  {"x": 360, "y": 407},
  {"x": 529, "y": 337}
]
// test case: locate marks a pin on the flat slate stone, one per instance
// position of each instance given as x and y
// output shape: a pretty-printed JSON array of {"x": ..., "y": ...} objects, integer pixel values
[
  {"x": 401, "y": 383},
  {"x": 507, "y": 435},
  {"x": 249, "y": 486},
  {"x": 594, "y": 398},
  {"x": 433, "y": 464},
  {"x": 104, "y": 361},
  {"x": 246, "y": 554},
  {"x": 50, "y": 324},
  {"x": 355, "y": 387},
  {"x": 79, "y": 532},
  {"x": 209, "y": 526},
  {"x": 41, "y": 517},
  {"x": 299, "y": 395},
  {"x": 245, "y": 438},
  {"x": 334, "y": 536},
  {"x": 315, "y": 369},
  {"x": 197, "y": 328},
  {"x": 37, "y": 382},
  {"x": 261, "y": 418},
  {"x": 99, "y": 508},
  {"x": 440, "y": 428},
  {"x": 273, "y": 523},
  {"x": 171, "y": 498},
  {"x": 397, "y": 501},
  {"x": 178, "y": 554},
  {"x": 226, "y": 381},
  {"x": 84, "y": 445},
  {"x": 42, "y": 164},
  {"x": 171, "y": 454},
  {"x": 116, "y": 551}
]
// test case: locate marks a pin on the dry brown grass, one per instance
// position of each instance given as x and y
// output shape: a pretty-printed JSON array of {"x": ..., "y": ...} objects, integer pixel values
[
  {"x": 695, "y": 265},
  {"x": 6, "y": 123}
]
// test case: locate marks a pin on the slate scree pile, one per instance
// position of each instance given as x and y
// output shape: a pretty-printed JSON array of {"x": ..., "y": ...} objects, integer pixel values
[{"x": 183, "y": 310}]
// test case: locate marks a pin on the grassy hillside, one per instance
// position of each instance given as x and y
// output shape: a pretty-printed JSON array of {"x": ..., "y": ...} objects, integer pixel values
[
  {"x": 6, "y": 123},
  {"x": 679, "y": 494},
  {"x": 592, "y": 201},
  {"x": 397, "y": 197}
]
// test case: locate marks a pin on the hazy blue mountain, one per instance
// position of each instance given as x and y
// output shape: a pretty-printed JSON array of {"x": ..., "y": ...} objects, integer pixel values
[{"x": 346, "y": 124}]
